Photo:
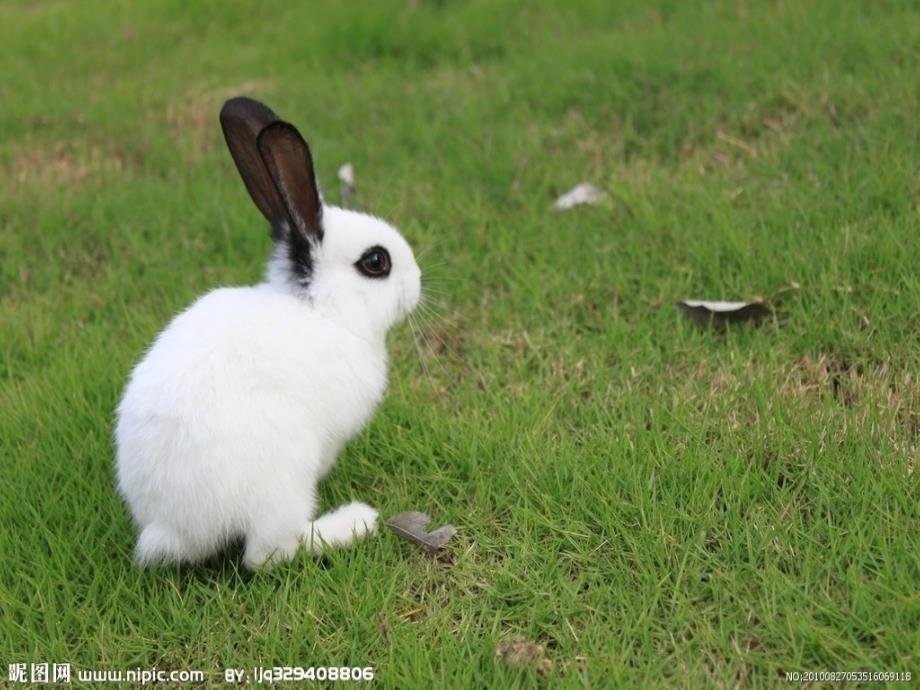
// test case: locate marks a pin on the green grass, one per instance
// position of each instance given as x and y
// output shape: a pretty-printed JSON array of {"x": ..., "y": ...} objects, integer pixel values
[{"x": 658, "y": 505}]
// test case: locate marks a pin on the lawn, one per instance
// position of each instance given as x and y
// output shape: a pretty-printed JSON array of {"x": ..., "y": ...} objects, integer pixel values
[{"x": 655, "y": 503}]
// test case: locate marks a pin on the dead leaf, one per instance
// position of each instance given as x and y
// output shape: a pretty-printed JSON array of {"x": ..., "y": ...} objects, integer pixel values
[
  {"x": 411, "y": 614},
  {"x": 523, "y": 653},
  {"x": 411, "y": 525},
  {"x": 383, "y": 627},
  {"x": 718, "y": 314},
  {"x": 585, "y": 193}
]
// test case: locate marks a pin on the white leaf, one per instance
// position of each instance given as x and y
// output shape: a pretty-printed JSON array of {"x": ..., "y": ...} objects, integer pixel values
[
  {"x": 720, "y": 313},
  {"x": 347, "y": 184},
  {"x": 585, "y": 193},
  {"x": 347, "y": 174},
  {"x": 716, "y": 306}
]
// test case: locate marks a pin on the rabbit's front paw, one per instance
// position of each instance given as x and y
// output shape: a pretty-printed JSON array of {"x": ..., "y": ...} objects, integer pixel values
[
  {"x": 342, "y": 526},
  {"x": 363, "y": 518}
]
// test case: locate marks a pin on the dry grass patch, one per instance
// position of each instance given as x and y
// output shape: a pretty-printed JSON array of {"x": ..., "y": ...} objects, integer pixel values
[
  {"x": 875, "y": 399},
  {"x": 193, "y": 120},
  {"x": 523, "y": 653},
  {"x": 72, "y": 163}
]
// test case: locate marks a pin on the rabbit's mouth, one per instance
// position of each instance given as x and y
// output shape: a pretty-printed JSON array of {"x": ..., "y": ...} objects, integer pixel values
[{"x": 411, "y": 294}]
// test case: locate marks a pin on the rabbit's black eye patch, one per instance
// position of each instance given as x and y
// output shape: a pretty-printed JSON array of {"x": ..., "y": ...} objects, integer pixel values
[{"x": 374, "y": 263}]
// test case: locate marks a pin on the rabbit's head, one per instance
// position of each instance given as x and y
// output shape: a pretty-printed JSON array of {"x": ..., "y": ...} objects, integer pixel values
[{"x": 352, "y": 267}]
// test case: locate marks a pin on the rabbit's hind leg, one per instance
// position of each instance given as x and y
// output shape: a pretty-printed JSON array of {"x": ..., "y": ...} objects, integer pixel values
[
  {"x": 275, "y": 536},
  {"x": 160, "y": 543},
  {"x": 279, "y": 504}
]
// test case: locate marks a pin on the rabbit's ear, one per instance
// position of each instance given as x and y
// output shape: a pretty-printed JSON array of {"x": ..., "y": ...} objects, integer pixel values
[
  {"x": 242, "y": 119},
  {"x": 290, "y": 165}
]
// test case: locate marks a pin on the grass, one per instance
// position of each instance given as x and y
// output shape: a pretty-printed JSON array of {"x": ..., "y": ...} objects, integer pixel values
[{"x": 656, "y": 504}]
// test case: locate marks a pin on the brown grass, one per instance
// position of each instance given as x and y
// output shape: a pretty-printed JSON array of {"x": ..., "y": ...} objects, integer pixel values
[
  {"x": 193, "y": 120},
  {"x": 72, "y": 163},
  {"x": 874, "y": 399},
  {"x": 522, "y": 653}
]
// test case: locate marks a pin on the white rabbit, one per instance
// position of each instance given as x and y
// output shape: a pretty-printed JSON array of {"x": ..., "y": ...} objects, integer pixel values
[{"x": 243, "y": 403}]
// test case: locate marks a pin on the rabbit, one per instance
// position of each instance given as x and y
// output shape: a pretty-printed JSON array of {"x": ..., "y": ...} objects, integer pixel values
[{"x": 244, "y": 401}]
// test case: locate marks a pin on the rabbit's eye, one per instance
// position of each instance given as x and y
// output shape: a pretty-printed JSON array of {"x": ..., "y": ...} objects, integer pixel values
[{"x": 374, "y": 263}]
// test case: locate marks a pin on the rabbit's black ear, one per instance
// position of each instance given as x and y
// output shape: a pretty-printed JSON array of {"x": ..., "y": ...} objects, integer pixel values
[
  {"x": 242, "y": 119},
  {"x": 290, "y": 164}
]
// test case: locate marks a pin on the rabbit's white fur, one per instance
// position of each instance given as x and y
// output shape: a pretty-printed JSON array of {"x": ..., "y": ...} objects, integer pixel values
[{"x": 245, "y": 400}]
